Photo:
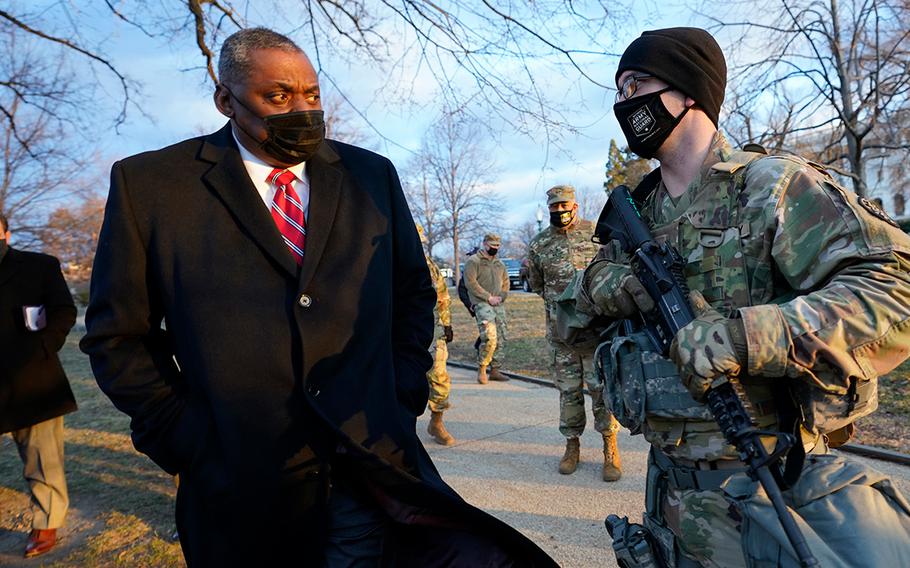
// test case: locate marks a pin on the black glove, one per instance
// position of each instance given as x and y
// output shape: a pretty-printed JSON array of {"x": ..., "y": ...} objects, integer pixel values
[{"x": 450, "y": 335}]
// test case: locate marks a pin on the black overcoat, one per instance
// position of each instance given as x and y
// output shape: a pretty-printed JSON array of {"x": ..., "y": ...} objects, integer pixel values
[
  {"x": 33, "y": 386},
  {"x": 254, "y": 382}
]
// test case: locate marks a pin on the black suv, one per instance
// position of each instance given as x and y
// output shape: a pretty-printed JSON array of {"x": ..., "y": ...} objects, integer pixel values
[{"x": 513, "y": 267}]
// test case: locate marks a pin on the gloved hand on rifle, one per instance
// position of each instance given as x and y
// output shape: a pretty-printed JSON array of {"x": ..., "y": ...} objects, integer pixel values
[
  {"x": 615, "y": 291},
  {"x": 710, "y": 347},
  {"x": 449, "y": 334}
]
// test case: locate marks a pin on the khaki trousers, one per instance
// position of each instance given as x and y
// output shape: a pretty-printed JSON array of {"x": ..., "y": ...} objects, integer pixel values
[{"x": 41, "y": 449}]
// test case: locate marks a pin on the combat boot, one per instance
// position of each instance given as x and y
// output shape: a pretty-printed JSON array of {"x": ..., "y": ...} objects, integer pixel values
[
  {"x": 438, "y": 430},
  {"x": 496, "y": 375},
  {"x": 482, "y": 374},
  {"x": 569, "y": 461},
  {"x": 612, "y": 468}
]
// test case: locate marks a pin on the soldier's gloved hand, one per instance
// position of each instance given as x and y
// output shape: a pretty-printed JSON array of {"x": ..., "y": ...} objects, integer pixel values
[
  {"x": 616, "y": 291},
  {"x": 447, "y": 331},
  {"x": 705, "y": 349}
]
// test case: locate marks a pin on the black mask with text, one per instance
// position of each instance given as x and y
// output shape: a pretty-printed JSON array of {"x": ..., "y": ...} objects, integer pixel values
[
  {"x": 562, "y": 219},
  {"x": 492, "y": 251},
  {"x": 646, "y": 122},
  {"x": 291, "y": 137}
]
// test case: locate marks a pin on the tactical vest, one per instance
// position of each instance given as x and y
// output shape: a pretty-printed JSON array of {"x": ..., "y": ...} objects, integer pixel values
[{"x": 732, "y": 271}]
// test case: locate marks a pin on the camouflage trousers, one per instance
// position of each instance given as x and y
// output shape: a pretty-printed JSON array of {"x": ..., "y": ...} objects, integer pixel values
[
  {"x": 707, "y": 527},
  {"x": 571, "y": 373},
  {"x": 438, "y": 376},
  {"x": 705, "y": 524},
  {"x": 491, "y": 323}
]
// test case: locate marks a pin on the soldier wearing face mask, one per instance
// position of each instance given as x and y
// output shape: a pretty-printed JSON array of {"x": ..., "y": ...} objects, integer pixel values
[
  {"x": 488, "y": 286},
  {"x": 799, "y": 288},
  {"x": 554, "y": 255}
]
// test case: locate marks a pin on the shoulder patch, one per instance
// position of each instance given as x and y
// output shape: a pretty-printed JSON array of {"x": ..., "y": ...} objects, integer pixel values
[{"x": 876, "y": 211}]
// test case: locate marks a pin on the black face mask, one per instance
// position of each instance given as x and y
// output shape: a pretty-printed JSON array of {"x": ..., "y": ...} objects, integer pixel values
[
  {"x": 646, "y": 122},
  {"x": 561, "y": 219},
  {"x": 291, "y": 137},
  {"x": 492, "y": 251},
  {"x": 4, "y": 246}
]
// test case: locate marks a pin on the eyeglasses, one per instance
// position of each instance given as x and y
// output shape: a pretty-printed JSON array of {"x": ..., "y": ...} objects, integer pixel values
[{"x": 630, "y": 86}]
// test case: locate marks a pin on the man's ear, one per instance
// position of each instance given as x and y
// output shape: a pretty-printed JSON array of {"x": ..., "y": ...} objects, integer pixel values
[{"x": 223, "y": 101}]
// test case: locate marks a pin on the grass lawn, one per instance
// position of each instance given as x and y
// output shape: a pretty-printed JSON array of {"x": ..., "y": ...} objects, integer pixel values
[{"x": 122, "y": 505}]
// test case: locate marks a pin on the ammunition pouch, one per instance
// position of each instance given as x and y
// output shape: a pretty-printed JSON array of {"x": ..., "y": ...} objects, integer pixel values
[
  {"x": 639, "y": 383},
  {"x": 834, "y": 413}
]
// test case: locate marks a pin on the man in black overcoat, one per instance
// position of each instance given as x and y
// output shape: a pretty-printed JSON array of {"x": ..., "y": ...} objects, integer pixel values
[
  {"x": 261, "y": 308},
  {"x": 34, "y": 391}
]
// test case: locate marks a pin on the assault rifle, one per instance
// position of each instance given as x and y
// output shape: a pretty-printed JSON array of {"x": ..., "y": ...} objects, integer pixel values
[{"x": 659, "y": 268}]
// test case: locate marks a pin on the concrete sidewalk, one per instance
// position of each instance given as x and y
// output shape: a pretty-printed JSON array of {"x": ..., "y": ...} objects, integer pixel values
[{"x": 505, "y": 462}]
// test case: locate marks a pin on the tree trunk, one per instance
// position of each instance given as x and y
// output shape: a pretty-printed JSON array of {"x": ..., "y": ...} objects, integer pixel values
[{"x": 455, "y": 256}]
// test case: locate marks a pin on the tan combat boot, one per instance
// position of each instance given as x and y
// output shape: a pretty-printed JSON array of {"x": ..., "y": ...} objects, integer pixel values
[
  {"x": 569, "y": 461},
  {"x": 612, "y": 467},
  {"x": 482, "y": 375},
  {"x": 496, "y": 375},
  {"x": 438, "y": 430}
]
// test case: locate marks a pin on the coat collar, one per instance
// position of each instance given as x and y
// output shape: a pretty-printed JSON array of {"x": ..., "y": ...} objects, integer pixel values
[{"x": 229, "y": 180}]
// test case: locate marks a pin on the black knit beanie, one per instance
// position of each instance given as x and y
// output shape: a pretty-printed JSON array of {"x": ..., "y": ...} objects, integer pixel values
[{"x": 687, "y": 59}]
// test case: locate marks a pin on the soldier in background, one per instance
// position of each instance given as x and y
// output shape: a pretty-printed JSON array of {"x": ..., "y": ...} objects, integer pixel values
[
  {"x": 488, "y": 285},
  {"x": 800, "y": 289},
  {"x": 554, "y": 255},
  {"x": 438, "y": 376}
]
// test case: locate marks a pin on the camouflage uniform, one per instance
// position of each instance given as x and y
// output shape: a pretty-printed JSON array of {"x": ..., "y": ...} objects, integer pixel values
[
  {"x": 440, "y": 385},
  {"x": 554, "y": 255},
  {"x": 486, "y": 276},
  {"x": 820, "y": 280}
]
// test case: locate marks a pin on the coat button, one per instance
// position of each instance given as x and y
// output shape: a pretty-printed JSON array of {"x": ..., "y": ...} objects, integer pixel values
[{"x": 304, "y": 301}]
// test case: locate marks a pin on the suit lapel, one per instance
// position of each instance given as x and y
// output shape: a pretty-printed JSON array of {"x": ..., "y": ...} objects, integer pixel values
[
  {"x": 229, "y": 180},
  {"x": 325, "y": 191}
]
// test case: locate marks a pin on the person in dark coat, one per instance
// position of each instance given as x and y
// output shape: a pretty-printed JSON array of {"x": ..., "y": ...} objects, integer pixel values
[
  {"x": 261, "y": 309},
  {"x": 36, "y": 313}
]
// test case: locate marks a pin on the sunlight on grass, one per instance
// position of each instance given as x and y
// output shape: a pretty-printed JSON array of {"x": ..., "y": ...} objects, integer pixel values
[{"x": 125, "y": 541}]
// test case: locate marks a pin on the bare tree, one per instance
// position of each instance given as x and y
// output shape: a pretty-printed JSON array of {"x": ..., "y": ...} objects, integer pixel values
[
  {"x": 71, "y": 234},
  {"x": 590, "y": 202},
  {"x": 340, "y": 122},
  {"x": 458, "y": 169},
  {"x": 424, "y": 200},
  {"x": 831, "y": 76},
  {"x": 460, "y": 47},
  {"x": 41, "y": 164},
  {"x": 520, "y": 238}
]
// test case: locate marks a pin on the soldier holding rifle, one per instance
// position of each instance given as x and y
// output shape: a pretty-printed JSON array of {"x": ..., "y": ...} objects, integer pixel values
[{"x": 800, "y": 294}]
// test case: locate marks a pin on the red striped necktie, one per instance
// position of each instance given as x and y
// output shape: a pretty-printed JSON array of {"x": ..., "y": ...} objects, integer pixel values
[{"x": 287, "y": 210}]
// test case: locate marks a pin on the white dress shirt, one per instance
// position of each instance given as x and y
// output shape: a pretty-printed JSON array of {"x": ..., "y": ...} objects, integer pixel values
[{"x": 259, "y": 172}]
